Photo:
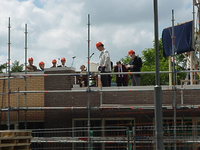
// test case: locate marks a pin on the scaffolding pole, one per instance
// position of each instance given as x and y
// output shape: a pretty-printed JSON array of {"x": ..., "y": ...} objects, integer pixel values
[
  {"x": 174, "y": 78},
  {"x": 9, "y": 74},
  {"x": 132, "y": 107},
  {"x": 88, "y": 87},
  {"x": 25, "y": 78},
  {"x": 101, "y": 90},
  {"x": 96, "y": 73},
  {"x": 158, "y": 89}
]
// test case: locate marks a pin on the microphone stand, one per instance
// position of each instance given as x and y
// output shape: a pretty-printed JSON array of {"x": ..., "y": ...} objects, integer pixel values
[
  {"x": 91, "y": 55},
  {"x": 73, "y": 60}
]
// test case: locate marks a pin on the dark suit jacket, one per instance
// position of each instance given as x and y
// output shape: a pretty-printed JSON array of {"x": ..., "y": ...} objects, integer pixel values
[
  {"x": 124, "y": 70},
  {"x": 61, "y": 66},
  {"x": 137, "y": 62}
]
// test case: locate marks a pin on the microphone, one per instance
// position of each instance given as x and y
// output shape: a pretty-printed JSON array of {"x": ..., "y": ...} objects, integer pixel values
[
  {"x": 91, "y": 55},
  {"x": 73, "y": 60}
]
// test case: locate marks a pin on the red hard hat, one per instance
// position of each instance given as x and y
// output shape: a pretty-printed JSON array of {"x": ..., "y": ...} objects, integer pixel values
[
  {"x": 41, "y": 63},
  {"x": 98, "y": 44},
  {"x": 54, "y": 61},
  {"x": 130, "y": 52},
  {"x": 31, "y": 58},
  {"x": 63, "y": 59}
]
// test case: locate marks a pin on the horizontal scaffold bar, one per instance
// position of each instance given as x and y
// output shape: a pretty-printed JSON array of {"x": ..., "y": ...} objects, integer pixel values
[
  {"x": 103, "y": 107},
  {"x": 144, "y": 139},
  {"x": 106, "y": 89},
  {"x": 90, "y": 73}
]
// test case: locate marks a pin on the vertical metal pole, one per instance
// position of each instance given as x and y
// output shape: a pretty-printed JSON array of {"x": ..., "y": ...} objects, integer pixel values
[
  {"x": 157, "y": 89},
  {"x": 128, "y": 141},
  {"x": 193, "y": 43},
  {"x": 170, "y": 69},
  {"x": 134, "y": 143},
  {"x": 18, "y": 108},
  {"x": 174, "y": 87},
  {"x": 26, "y": 48},
  {"x": 25, "y": 94},
  {"x": 9, "y": 73},
  {"x": 192, "y": 53},
  {"x": 88, "y": 88},
  {"x": 199, "y": 28}
]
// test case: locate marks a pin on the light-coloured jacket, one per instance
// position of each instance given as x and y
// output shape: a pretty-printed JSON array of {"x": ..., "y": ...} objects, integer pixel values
[{"x": 104, "y": 59}]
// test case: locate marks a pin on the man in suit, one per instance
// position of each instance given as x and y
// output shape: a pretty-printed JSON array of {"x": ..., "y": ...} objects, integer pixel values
[{"x": 121, "y": 79}]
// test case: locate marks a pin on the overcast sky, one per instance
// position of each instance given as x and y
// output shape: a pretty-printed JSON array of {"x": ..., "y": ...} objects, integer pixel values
[{"x": 58, "y": 28}]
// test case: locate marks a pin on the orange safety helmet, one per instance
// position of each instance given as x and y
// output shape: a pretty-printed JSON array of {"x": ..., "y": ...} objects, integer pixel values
[
  {"x": 31, "y": 58},
  {"x": 130, "y": 52},
  {"x": 99, "y": 44},
  {"x": 63, "y": 59},
  {"x": 54, "y": 61},
  {"x": 41, "y": 63}
]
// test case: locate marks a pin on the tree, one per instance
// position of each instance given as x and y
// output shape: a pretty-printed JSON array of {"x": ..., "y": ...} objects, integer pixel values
[
  {"x": 148, "y": 58},
  {"x": 16, "y": 67},
  {"x": 3, "y": 66}
]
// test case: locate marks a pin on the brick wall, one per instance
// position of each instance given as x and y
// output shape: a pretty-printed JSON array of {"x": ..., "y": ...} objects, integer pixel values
[
  {"x": 63, "y": 118},
  {"x": 34, "y": 83}
]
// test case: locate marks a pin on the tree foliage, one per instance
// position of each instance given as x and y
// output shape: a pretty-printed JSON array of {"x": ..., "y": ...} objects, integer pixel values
[
  {"x": 148, "y": 59},
  {"x": 3, "y": 66},
  {"x": 16, "y": 67}
]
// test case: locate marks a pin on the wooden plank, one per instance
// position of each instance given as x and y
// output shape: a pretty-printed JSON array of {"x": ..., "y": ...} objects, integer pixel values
[
  {"x": 7, "y": 148},
  {"x": 194, "y": 81},
  {"x": 189, "y": 61},
  {"x": 23, "y": 133},
  {"x": 7, "y": 145},
  {"x": 24, "y": 147},
  {"x": 15, "y": 140},
  {"x": 6, "y": 134},
  {"x": 22, "y": 141},
  {"x": 8, "y": 141},
  {"x": 23, "y": 137}
]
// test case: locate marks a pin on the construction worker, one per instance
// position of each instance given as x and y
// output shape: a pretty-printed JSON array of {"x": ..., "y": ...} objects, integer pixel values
[
  {"x": 104, "y": 64},
  {"x": 41, "y": 65},
  {"x": 135, "y": 66},
  {"x": 63, "y": 60},
  {"x": 54, "y": 62},
  {"x": 31, "y": 67}
]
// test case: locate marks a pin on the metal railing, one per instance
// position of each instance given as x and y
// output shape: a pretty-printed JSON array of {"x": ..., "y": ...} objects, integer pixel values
[
  {"x": 111, "y": 137},
  {"x": 116, "y": 137}
]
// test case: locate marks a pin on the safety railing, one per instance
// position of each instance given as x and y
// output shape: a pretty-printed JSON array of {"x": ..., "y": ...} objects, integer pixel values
[{"x": 115, "y": 137}]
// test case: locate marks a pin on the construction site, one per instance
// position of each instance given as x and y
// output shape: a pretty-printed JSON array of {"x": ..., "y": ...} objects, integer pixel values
[
  {"x": 49, "y": 110},
  {"x": 57, "y": 113}
]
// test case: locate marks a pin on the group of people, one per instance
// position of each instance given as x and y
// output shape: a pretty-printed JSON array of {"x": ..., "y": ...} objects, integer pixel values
[
  {"x": 104, "y": 66},
  {"x": 121, "y": 79},
  {"x": 30, "y": 67}
]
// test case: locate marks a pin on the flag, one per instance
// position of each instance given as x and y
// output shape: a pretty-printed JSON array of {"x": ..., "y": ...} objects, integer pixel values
[{"x": 182, "y": 39}]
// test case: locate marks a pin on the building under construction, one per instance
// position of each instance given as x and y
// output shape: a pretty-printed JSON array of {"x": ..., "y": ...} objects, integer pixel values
[
  {"x": 61, "y": 115},
  {"x": 58, "y": 111}
]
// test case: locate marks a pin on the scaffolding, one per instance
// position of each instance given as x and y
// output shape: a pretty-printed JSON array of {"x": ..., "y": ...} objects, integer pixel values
[
  {"x": 176, "y": 134},
  {"x": 117, "y": 137}
]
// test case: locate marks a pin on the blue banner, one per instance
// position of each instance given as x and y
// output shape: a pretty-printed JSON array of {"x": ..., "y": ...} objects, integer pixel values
[{"x": 182, "y": 40}]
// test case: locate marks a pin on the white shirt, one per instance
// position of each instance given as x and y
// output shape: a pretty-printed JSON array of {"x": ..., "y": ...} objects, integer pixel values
[
  {"x": 120, "y": 70},
  {"x": 104, "y": 60},
  {"x": 188, "y": 63}
]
